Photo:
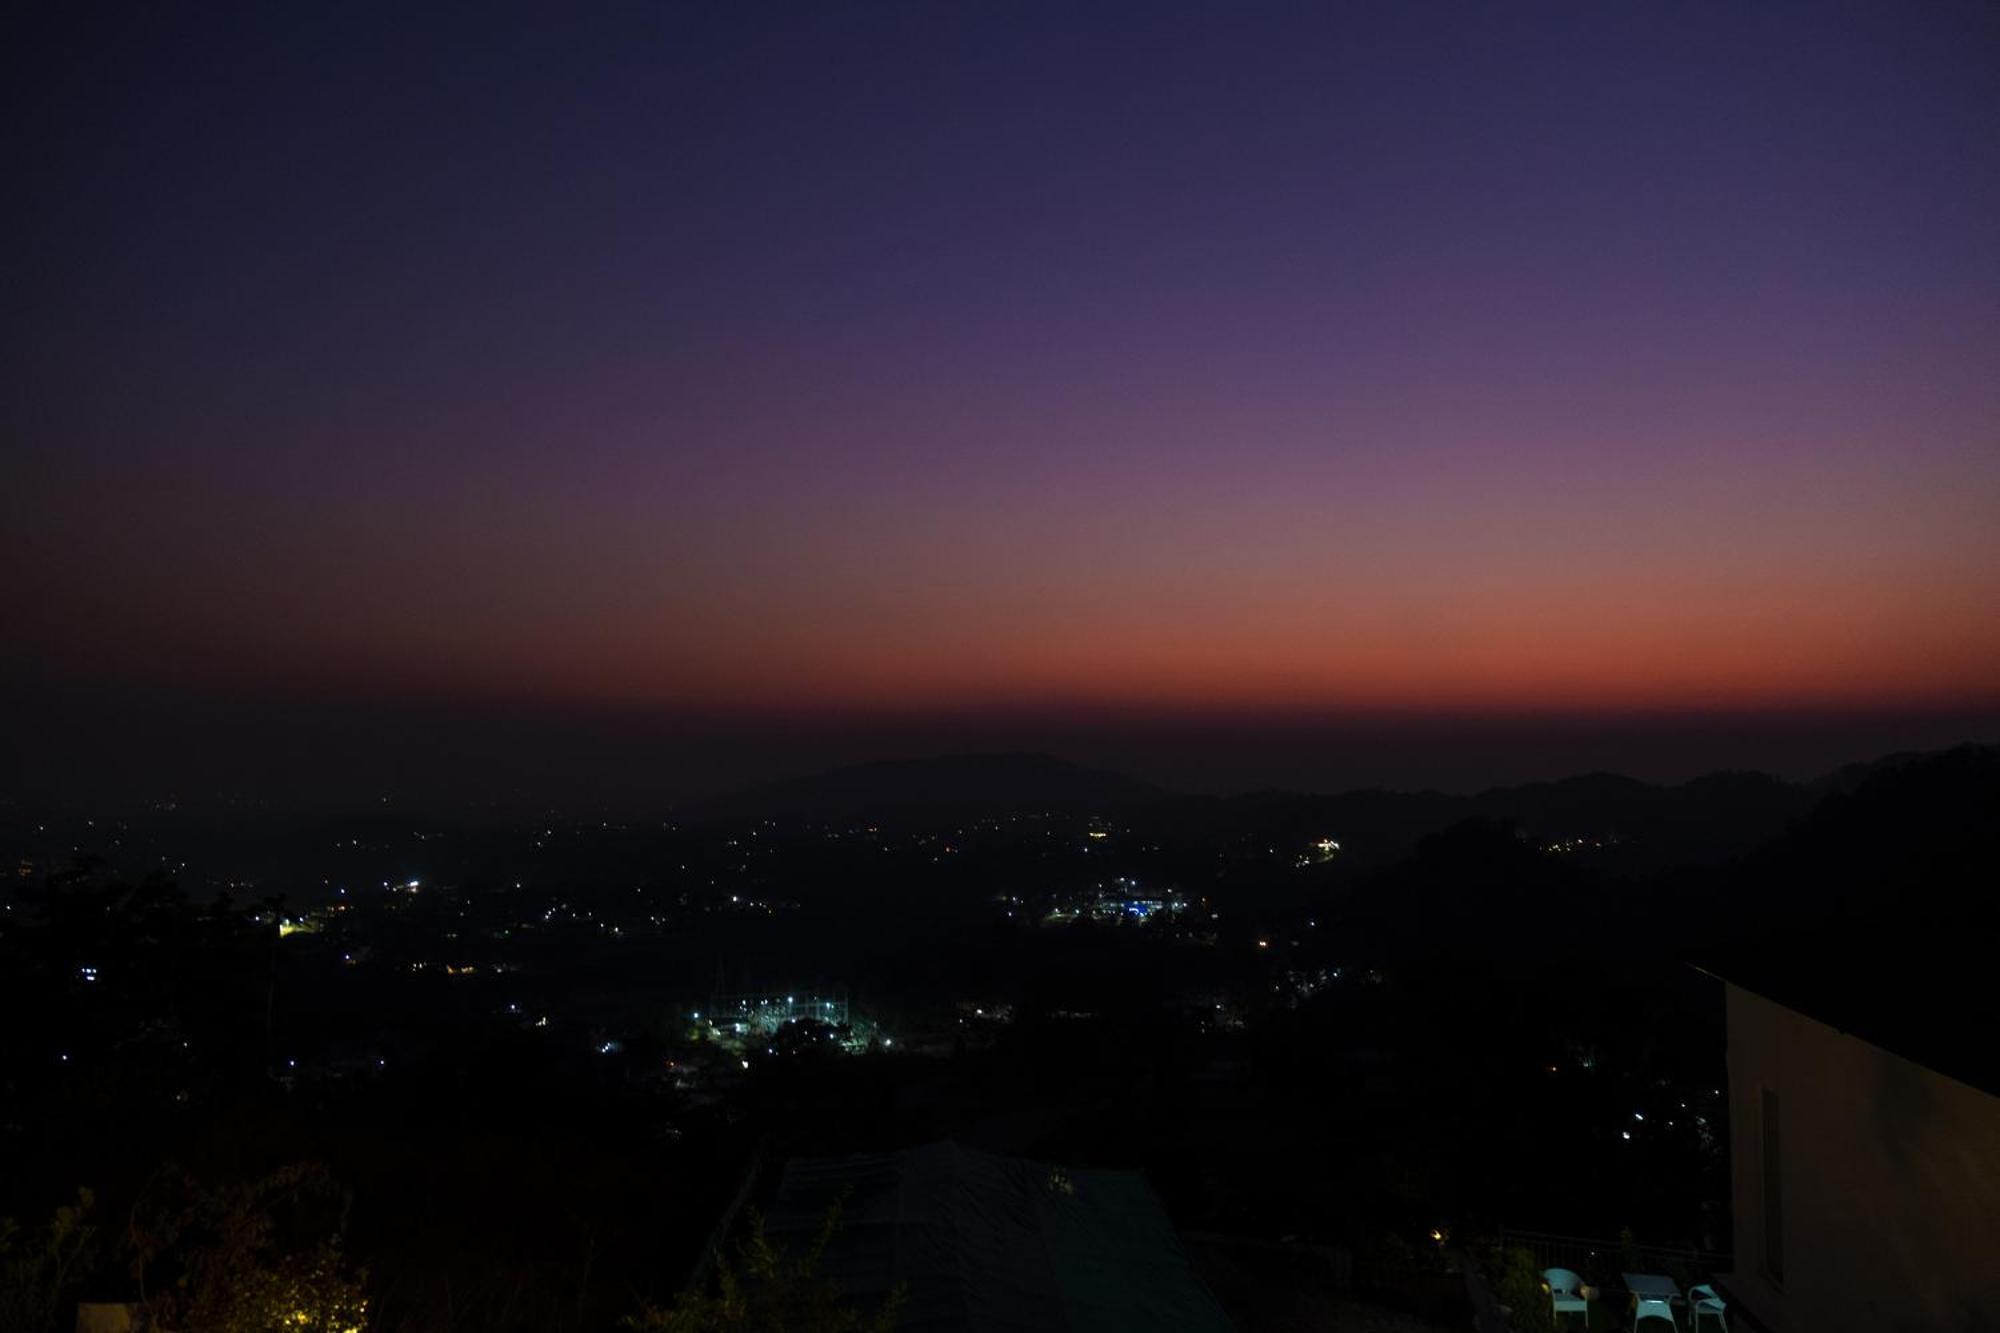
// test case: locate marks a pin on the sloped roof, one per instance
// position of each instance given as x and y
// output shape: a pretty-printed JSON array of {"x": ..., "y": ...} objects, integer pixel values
[
  {"x": 1914, "y": 994},
  {"x": 997, "y": 1244}
]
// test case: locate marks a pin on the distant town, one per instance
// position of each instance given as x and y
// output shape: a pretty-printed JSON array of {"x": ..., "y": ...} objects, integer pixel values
[{"x": 1343, "y": 1057}]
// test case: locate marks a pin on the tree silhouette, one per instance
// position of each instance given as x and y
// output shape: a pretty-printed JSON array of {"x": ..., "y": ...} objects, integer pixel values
[{"x": 772, "y": 1291}]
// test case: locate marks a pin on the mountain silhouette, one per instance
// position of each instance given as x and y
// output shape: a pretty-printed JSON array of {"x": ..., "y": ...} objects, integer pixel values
[
  {"x": 942, "y": 787},
  {"x": 1616, "y": 823}
]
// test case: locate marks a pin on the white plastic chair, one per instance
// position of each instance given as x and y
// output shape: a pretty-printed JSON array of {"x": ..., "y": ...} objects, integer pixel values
[
  {"x": 1649, "y": 1308},
  {"x": 1702, "y": 1300},
  {"x": 1566, "y": 1294}
]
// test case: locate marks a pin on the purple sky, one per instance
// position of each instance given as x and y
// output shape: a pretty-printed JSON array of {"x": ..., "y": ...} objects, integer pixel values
[{"x": 1221, "y": 361}]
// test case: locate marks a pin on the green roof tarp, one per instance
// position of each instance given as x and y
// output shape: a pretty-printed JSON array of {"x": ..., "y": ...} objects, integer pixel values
[{"x": 997, "y": 1244}]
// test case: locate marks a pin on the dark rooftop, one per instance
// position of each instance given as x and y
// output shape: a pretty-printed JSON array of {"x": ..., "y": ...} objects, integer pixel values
[{"x": 996, "y": 1244}]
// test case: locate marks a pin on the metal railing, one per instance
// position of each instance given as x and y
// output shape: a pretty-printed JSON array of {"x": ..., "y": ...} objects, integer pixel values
[{"x": 1600, "y": 1260}]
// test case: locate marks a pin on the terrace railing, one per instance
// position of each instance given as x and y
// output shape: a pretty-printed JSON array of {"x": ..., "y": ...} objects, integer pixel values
[{"x": 1600, "y": 1260}]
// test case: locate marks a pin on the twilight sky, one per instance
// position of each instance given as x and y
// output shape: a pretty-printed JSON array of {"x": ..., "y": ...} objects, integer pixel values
[{"x": 1396, "y": 359}]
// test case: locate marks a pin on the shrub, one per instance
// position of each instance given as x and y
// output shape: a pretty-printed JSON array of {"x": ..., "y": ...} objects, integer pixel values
[
  {"x": 39, "y": 1264},
  {"x": 1517, "y": 1284}
]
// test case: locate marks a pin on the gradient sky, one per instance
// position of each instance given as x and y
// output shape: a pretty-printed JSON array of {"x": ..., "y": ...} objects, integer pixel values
[{"x": 1398, "y": 358}]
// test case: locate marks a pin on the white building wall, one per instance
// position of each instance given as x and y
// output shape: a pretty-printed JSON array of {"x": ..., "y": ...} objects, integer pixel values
[{"x": 1890, "y": 1181}]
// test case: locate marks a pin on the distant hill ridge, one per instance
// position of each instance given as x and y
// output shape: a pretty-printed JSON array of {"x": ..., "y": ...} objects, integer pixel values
[
  {"x": 942, "y": 785},
  {"x": 1707, "y": 819}
]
